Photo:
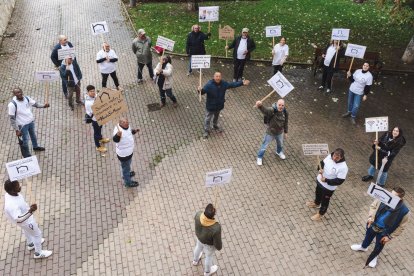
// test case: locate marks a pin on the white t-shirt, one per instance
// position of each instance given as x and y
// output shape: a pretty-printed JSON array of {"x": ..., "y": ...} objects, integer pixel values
[
  {"x": 330, "y": 53},
  {"x": 242, "y": 48},
  {"x": 75, "y": 78},
  {"x": 360, "y": 80},
  {"x": 125, "y": 147},
  {"x": 280, "y": 53},
  {"x": 332, "y": 170},
  {"x": 88, "y": 106},
  {"x": 15, "y": 206},
  {"x": 106, "y": 67},
  {"x": 24, "y": 113}
]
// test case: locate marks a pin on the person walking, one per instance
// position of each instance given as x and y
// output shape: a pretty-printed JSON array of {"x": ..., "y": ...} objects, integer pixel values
[
  {"x": 141, "y": 46},
  {"x": 19, "y": 213},
  {"x": 208, "y": 233},
  {"x": 195, "y": 44},
  {"x": 330, "y": 63},
  {"x": 22, "y": 120},
  {"x": 242, "y": 46},
  {"x": 280, "y": 53},
  {"x": 164, "y": 80},
  {"x": 62, "y": 44},
  {"x": 277, "y": 119},
  {"x": 384, "y": 224},
  {"x": 72, "y": 75},
  {"x": 332, "y": 173},
  {"x": 107, "y": 58}
]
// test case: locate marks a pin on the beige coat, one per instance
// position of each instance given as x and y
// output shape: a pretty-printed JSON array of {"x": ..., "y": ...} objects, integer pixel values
[{"x": 167, "y": 72}]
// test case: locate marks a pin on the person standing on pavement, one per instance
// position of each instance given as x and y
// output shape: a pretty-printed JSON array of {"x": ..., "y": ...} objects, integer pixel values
[
  {"x": 97, "y": 129},
  {"x": 141, "y": 46},
  {"x": 22, "y": 120},
  {"x": 124, "y": 138},
  {"x": 277, "y": 119},
  {"x": 332, "y": 173},
  {"x": 384, "y": 223},
  {"x": 63, "y": 44},
  {"x": 195, "y": 44},
  {"x": 216, "y": 96},
  {"x": 361, "y": 82},
  {"x": 164, "y": 80},
  {"x": 280, "y": 53},
  {"x": 329, "y": 65},
  {"x": 19, "y": 213},
  {"x": 243, "y": 45},
  {"x": 72, "y": 75},
  {"x": 106, "y": 59},
  {"x": 208, "y": 232}
]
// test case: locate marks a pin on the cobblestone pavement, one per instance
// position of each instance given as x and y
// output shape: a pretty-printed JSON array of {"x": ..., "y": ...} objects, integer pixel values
[{"x": 97, "y": 227}]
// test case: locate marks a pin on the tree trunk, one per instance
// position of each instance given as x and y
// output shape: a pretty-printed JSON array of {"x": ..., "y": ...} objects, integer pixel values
[
  {"x": 192, "y": 5},
  {"x": 408, "y": 56}
]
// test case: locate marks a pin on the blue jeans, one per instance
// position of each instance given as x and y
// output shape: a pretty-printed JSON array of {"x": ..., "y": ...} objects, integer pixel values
[
  {"x": 97, "y": 133},
  {"x": 189, "y": 65},
  {"x": 354, "y": 101},
  {"x": 383, "y": 178},
  {"x": 208, "y": 250},
  {"x": 369, "y": 237},
  {"x": 266, "y": 141},
  {"x": 29, "y": 130},
  {"x": 126, "y": 170},
  {"x": 64, "y": 87}
]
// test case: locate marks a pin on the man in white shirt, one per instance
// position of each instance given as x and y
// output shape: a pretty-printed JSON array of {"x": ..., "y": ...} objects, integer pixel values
[
  {"x": 22, "y": 120},
  {"x": 106, "y": 59},
  {"x": 72, "y": 75},
  {"x": 19, "y": 213}
]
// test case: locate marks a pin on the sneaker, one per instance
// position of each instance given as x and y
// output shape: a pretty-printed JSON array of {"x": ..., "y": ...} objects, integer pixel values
[
  {"x": 132, "y": 184},
  {"x": 328, "y": 90},
  {"x": 358, "y": 247},
  {"x": 213, "y": 269},
  {"x": 234, "y": 80},
  {"x": 373, "y": 263},
  {"x": 353, "y": 121},
  {"x": 101, "y": 149},
  {"x": 104, "y": 140},
  {"x": 259, "y": 161},
  {"x": 39, "y": 149},
  {"x": 367, "y": 178},
  {"x": 189, "y": 73},
  {"x": 43, "y": 254},
  {"x": 205, "y": 134},
  {"x": 218, "y": 129},
  {"x": 131, "y": 174},
  {"x": 30, "y": 246},
  {"x": 320, "y": 87},
  {"x": 199, "y": 258},
  {"x": 347, "y": 114},
  {"x": 139, "y": 81},
  {"x": 281, "y": 155},
  {"x": 312, "y": 204}
]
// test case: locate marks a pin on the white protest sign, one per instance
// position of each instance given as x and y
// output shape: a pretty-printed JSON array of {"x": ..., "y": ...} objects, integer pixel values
[
  {"x": 356, "y": 51},
  {"x": 383, "y": 195},
  {"x": 47, "y": 75},
  {"x": 280, "y": 84},
  {"x": 23, "y": 168},
  {"x": 272, "y": 31},
  {"x": 208, "y": 14},
  {"x": 63, "y": 53},
  {"x": 376, "y": 124},
  {"x": 165, "y": 43},
  {"x": 315, "y": 149},
  {"x": 340, "y": 34},
  {"x": 218, "y": 177},
  {"x": 200, "y": 61},
  {"x": 99, "y": 28}
]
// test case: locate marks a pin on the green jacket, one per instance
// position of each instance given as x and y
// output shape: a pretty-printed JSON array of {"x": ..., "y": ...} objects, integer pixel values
[
  {"x": 208, "y": 231},
  {"x": 142, "y": 49},
  {"x": 278, "y": 123}
]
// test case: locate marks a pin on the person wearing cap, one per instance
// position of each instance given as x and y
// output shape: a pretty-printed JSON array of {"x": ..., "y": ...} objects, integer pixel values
[
  {"x": 277, "y": 128},
  {"x": 242, "y": 47},
  {"x": 62, "y": 44},
  {"x": 195, "y": 44},
  {"x": 141, "y": 46},
  {"x": 106, "y": 59},
  {"x": 72, "y": 75}
]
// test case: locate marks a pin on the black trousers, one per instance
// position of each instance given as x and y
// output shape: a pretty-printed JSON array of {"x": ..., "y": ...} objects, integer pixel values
[
  {"x": 238, "y": 68},
  {"x": 327, "y": 76},
  {"x": 277, "y": 68},
  {"x": 113, "y": 76},
  {"x": 322, "y": 197}
]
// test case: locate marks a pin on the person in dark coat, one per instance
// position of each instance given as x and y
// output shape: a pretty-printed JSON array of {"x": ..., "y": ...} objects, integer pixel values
[
  {"x": 328, "y": 63},
  {"x": 195, "y": 44},
  {"x": 72, "y": 76},
  {"x": 62, "y": 44},
  {"x": 389, "y": 145}
]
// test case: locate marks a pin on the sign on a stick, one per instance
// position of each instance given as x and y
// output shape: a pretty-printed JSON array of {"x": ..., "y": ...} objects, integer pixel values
[
  {"x": 99, "y": 28},
  {"x": 226, "y": 33},
  {"x": 109, "y": 105},
  {"x": 218, "y": 177},
  {"x": 47, "y": 76},
  {"x": 273, "y": 31},
  {"x": 23, "y": 168},
  {"x": 356, "y": 51},
  {"x": 165, "y": 43},
  {"x": 200, "y": 61},
  {"x": 315, "y": 149},
  {"x": 63, "y": 53},
  {"x": 376, "y": 124},
  {"x": 208, "y": 14},
  {"x": 383, "y": 195},
  {"x": 280, "y": 84},
  {"x": 340, "y": 34}
]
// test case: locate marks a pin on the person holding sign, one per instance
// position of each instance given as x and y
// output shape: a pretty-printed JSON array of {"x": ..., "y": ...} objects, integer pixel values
[
  {"x": 63, "y": 44},
  {"x": 383, "y": 224},
  {"x": 330, "y": 63},
  {"x": 361, "y": 82},
  {"x": 280, "y": 53},
  {"x": 164, "y": 80},
  {"x": 243, "y": 45},
  {"x": 195, "y": 44},
  {"x": 276, "y": 118},
  {"x": 106, "y": 59},
  {"x": 216, "y": 96},
  {"x": 332, "y": 173},
  {"x": 72, "y": 75},
  {"x": 141, "y": 46},
  {"x": 388, "y": 146},
  {"x": 22, "y": 120},
  {"x": 19, "y": 213}
]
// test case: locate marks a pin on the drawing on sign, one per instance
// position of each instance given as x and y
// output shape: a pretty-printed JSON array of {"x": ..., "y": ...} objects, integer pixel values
[
  {"x": 340, "y": 34},
  {"x": 383, "y": 195},
  {"x": 273, "y": 31},
  {"x": 23, "y": 168},
  {"x": 226, "y": 32},
  {"x": 110, "y": 106},
  {"x": 63, "y": 53},
  {"x": 356, "y": 51},
  {"x": 200, "y": 61},
  {"x": 208, "y": 14},
  {"x": 280, "y": 84},
  {"x": 99, "y": 28},
  {"x": 165, "y": 43},
  {"x": 101, "y": 96},
  {"x": 376, "y": 124},
  {"x": 47, "y": 75},
  {"x": 218, "y": 177}
]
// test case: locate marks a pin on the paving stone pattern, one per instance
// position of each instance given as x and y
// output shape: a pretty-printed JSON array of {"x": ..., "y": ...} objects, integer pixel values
[{"x": 95, "y": 226}]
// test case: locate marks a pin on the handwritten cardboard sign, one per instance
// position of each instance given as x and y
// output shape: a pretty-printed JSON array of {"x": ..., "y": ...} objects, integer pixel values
[
  {"x": 383, "y": 195},
  {"x": 47, "y": 76},
  {"x": 23, "y": 168},
  {"x": 99, "y": 28},
  {"x": 356, "y": 51},
  {"x": 109, "y": 105},
  {"x": 315, "y": 149},
  {"x": 340, "y": 34},
  {"x": 218, "y": 177},
  {"x": 208, "y": 14},
  {"x": 376, "y": 124},
  {"x": 226, "y": 33},
  {"x": 63, "y": 53},
  {"x": 273, "y": 31},
  {"x": 280, "y": 84},
  {"x": 200, "y": 61},
  {"x": 165, "y": 43}
]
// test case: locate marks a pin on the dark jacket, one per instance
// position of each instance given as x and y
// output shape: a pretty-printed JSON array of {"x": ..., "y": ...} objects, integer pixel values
[
  {"x": 278, "y": 122},
  {"x": 341, "y": 54},
  {"x": 54, "y": 56},
  {"x": 216, "y": 93},
  {"x": 207, "y": 230},
  {"x": 394, "y": 219},
  {"x": 195, "y": 43},
  {"x": 388, "y": 148},
  {"x": 250, "y": 46},
  {"x": 67, "y": 76}
]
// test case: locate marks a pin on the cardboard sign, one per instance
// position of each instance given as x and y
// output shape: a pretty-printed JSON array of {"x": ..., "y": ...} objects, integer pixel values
[
  {"x": 23, "y": 168},
  {"x": 165, "y": 43},
  {"x": 383, "y": 195},
  {"x": 47, "y": 75},
  {"x": 208, "y": 14},
  {"x": 272, "y": 31},
  {"x": 356, "y": 51},
  {"x": 315, "y": 149},
  {"x": 218, "y": 177},
  {"x": 340, "y": 34},
  {"x": 226, "y": 32},
  {"x": 200, "y": 61},
  {"x": 109, "y": 105},
  {"x": 63, "y": 53},
  {"x": 375, "y": 124},
  {"x": 99, "y": 28},
  {"x": 280, "y": 84}
]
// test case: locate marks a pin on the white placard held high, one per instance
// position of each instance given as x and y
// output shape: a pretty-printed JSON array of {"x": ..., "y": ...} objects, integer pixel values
[
  {"x": 218, "y": 177},
  {"x": 200, "y": 61},
  {"x": 383, "y": 195},
  {"x": 315, "y": 149},
  {"x": 280, "y": 84},
  {"x": 340, "y": 34},
  {"x": 23, "y": 168},
  {"x": 63, "y": 53},
  {"x": 376, "y": 124},
  {"x": 165, "y": 43},
  {"x": 273, "y": 31},
  {"x": 99, "y": 28},
  {"x": 47, "y": 76},
  {"x": 356, "y": 51},
  {"x": 208, "y": 14}
]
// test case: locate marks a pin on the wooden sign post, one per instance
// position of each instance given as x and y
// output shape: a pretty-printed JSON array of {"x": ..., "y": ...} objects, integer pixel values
[
  {"x": 338, "y": 35},
  {"x": 280, "y": 85},
  {"x": 226, "y": 33},
  {"x": 354, "y": 51},
  {"x": 200, "y": 62}
]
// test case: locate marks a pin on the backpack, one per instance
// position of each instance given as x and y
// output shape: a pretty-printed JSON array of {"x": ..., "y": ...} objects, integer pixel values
[{"x": 15, "y": 105}]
